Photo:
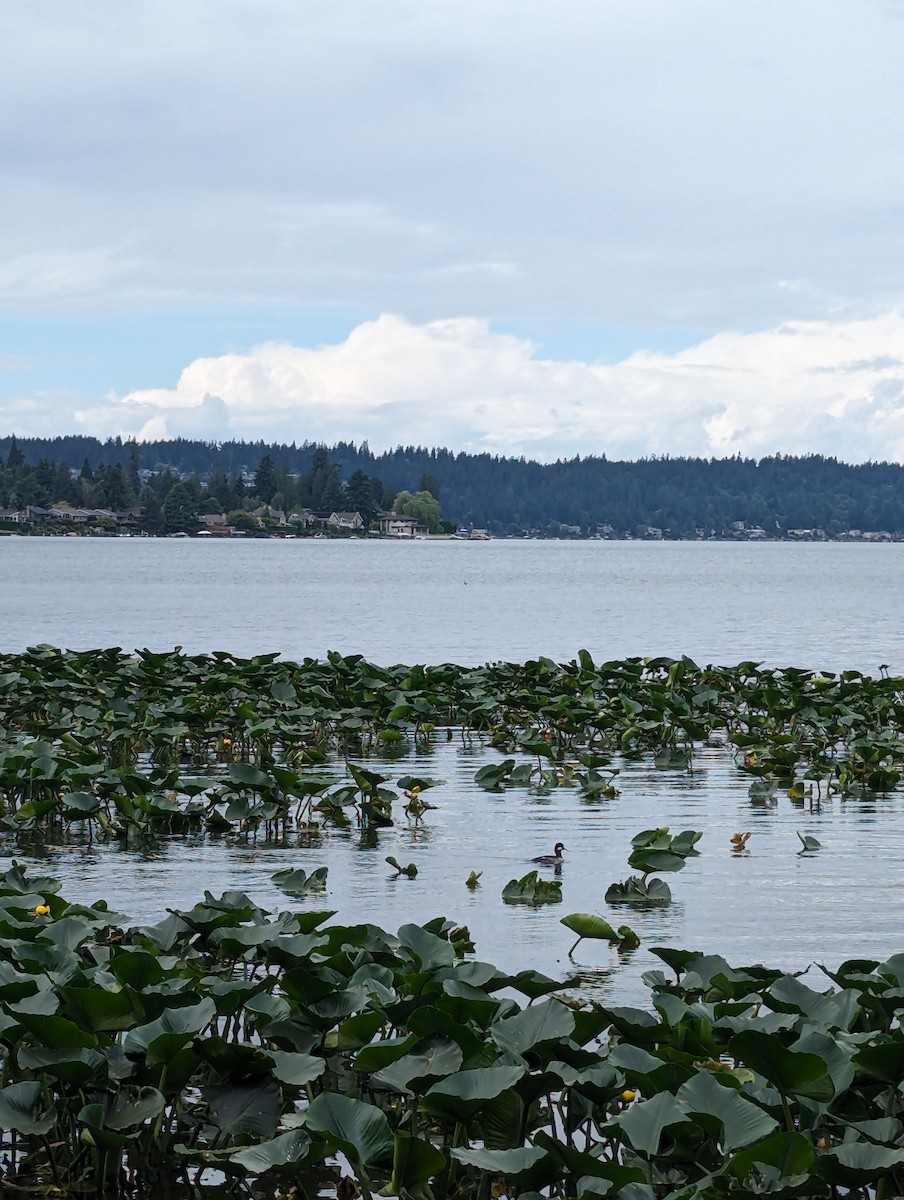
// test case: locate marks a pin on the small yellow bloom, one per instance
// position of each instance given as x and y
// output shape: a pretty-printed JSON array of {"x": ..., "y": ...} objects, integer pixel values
[
  {"x": 42, "y": 910},
  {"x": 628, "y": 1095},
  {"x": 821, "y": 1144},
  {"x": 227, "y": 742}
]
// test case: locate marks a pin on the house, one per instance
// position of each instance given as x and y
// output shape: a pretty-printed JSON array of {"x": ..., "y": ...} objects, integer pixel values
[
  {"x": 14, "y": 515},
  {"x": 36, "y": 515},
  {"x": 394, "y": 525},
  {"x": 214, "y": 525},
  {"x": 129, "y": 517},
  {"x": 346, "y": 520},
  {"x": 336, "y": 520},
  {"x": 65, "y": 512},
  {"x": 266, "y": 513}
]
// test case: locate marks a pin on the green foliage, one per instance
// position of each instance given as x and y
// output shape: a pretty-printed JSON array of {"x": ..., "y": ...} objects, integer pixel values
[
  {"x": 642, "y": 893},
  {"x": 297, "y": 883},
  {"x": 653, "y": 850},
  {"x": 423, "y": 506},
  {"x": 410, "y": 871},
  {"x": 265, "y": 1046},
  {"x": 531, "y": 889},
  {"x": 123, "y": 746},
  {"x": 589, "y": 925},
  {"x": 677, "y": 495}
]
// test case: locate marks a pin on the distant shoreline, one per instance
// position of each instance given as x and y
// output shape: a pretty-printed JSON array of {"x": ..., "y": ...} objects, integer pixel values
[{"x": 868, "y": 537}]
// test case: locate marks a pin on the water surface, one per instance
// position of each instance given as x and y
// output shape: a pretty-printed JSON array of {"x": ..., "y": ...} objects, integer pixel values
[{"x": 830, "y": 606}]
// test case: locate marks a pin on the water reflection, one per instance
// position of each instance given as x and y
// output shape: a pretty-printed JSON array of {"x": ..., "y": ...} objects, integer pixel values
[{"x": 595, "y": 983}]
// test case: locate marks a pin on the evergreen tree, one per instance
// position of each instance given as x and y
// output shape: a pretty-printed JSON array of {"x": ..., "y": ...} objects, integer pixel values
[
  {"x": 133, "y": 476},
  {"x": 63, "y": 489},
  {"x": 152, "y": 518},
  {"x": 265, "y": 482},
  {"x": 333, "y": 497},
  {"x": 15, "y": 458},
  {"x": 180, "y": 509},
  {"x": 111, "y": 484},
  {"x": 428, "y": 484},
  {"x": 325, "y": 486},
  {"x": 237, "y": 487},
  {"x": 220, "y": 493},
  {"x": 359, "y": 495}
]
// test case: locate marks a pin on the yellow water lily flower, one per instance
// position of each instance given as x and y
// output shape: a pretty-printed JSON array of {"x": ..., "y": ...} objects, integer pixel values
[
  {"x": 628, "y": 1095},
  {"x": 41, "y": 910}
]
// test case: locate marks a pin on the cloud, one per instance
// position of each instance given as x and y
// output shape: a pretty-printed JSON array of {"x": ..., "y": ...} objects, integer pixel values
[
  {"x": 835, "y": 388},
  {"x": 658, "y": 164}
]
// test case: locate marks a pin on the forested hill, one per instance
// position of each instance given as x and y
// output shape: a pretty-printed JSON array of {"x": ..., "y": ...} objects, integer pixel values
[{"x": 506, "y": 495}]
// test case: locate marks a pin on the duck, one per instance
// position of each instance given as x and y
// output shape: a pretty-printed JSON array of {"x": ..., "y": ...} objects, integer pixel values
[{"x": 553, "y": 860}]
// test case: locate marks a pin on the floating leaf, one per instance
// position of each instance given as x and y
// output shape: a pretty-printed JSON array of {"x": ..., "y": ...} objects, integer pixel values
[
  {"x": 530, "y": 889},
  {"x": 298, "y": 883}
]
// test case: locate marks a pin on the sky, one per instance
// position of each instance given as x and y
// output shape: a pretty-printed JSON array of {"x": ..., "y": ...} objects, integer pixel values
[{"x": 621, "y": 227}]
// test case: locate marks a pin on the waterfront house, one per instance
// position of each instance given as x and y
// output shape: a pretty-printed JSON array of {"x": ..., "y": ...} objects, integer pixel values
[
  {"x": 394, "y": 525},
  {"x": 65, "y": 512},
  {"x": 36, "y": 515}
]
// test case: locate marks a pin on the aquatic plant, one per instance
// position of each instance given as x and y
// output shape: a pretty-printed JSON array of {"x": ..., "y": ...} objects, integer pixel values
[
  {"x": 809, "y": 844},
  {"x": 286, "y": 1052},
  {"x": 116, "y": 745},
  {"x": 531, "y": 889},
  {"x": 589, "y": 925},
  {"x": 410, "y": 871},
  {"x": 296, "y": 882},
  {"x": 653, "y": 850}
]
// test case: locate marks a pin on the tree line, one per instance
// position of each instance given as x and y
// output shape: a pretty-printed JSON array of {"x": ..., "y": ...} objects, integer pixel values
[{"x": 682, "y": 497}]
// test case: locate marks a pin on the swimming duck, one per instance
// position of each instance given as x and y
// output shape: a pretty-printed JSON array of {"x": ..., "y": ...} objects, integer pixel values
[{"x": 553, "y": 860}]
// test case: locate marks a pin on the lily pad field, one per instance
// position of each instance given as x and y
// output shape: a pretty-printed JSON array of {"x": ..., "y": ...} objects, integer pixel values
[{"x": 285, "y": 928}]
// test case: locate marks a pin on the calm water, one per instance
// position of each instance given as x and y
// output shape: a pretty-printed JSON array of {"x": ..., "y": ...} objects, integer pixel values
[{"x": 830, "y": 606}]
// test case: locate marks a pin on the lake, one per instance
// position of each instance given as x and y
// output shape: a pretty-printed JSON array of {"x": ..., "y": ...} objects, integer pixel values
[{"x": 831, "y": 606}]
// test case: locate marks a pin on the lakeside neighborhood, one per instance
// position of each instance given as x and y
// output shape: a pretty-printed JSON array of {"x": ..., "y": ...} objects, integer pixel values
[
  {"x": 264, "y": 521},
  {"x": 306, "y": 492}
]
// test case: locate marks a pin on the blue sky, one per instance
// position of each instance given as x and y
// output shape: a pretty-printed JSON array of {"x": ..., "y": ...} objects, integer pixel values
[{"x": 490, "y": 224}]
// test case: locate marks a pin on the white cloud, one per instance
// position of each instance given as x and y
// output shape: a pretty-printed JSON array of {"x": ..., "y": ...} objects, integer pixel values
[{"x": 828, "y": 387}]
